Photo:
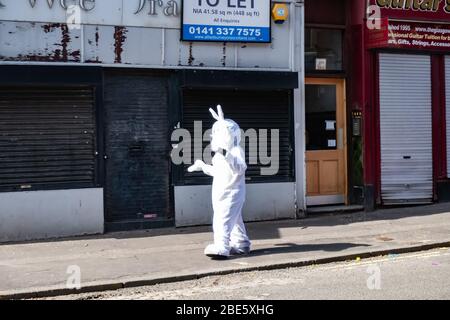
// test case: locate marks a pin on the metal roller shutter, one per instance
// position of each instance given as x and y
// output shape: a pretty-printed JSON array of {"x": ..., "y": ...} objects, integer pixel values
[
  {"x": 47, "y": 138},
  {"x": 137, "y": 147},
  {"x": 447, "y": 94},
  {"x": 406, "y": 129},
  {"x": 251, "y": 110}
]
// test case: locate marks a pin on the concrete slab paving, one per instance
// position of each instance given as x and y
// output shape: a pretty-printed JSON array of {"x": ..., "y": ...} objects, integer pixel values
[{"x": 128, "y": 259}]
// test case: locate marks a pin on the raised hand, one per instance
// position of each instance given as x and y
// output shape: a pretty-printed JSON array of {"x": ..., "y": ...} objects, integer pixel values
[{"x": 197, "y": 166}]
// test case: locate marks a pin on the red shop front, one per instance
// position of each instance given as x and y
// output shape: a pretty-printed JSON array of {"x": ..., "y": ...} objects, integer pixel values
[{"x": 401, "y": 83}]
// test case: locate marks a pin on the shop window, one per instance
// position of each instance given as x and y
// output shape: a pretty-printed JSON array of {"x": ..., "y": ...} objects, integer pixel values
[{"x": 323, "y": 49}]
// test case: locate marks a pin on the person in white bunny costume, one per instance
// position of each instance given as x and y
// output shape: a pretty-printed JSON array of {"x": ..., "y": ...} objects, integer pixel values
[{"x": 228, "y": 189}]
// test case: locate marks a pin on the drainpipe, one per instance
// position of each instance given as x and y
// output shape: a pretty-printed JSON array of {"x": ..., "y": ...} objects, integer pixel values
[{"x": 298, "y": 27}]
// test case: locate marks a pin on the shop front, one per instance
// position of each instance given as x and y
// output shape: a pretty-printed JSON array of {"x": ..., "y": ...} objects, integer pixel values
[
  {"x": 94, "y": 95},
  {"x": 265, "y": 114},
  {"x": 331, "y": 168},
  {"x": 405, "y": 65}
]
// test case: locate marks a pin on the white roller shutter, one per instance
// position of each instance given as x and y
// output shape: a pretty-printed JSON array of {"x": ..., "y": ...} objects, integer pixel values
[
  {"x": 447, "y": 94},
  {"x": 406, "y": 129}
]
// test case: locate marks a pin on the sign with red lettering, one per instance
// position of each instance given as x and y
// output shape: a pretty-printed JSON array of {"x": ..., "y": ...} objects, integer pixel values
[{"x": 423, "y": 10}]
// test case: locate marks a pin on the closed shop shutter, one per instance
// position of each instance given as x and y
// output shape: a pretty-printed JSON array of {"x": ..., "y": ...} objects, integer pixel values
[
  {"x": 137, "y": 147},
  {"x": 447, "y": 95},
  {"x": 47, "y": 138},
  {"x": 406, "y": 129},
  {"x": 251, "y": 109}
]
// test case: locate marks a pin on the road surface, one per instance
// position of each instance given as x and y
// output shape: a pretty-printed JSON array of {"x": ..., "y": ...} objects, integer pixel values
[{"x": 423, "y": 275}]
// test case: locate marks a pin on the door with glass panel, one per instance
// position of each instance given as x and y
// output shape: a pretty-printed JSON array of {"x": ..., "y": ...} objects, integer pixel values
[{"x": 325, "y": 136}]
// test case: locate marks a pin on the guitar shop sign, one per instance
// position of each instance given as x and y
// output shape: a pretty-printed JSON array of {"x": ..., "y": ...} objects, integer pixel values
[
  {"x": 423, "y": 10},
  {"x": 139, "y": 13},
  {"x": 226, "y": 20},
  {"x": 410, "y": 24}
]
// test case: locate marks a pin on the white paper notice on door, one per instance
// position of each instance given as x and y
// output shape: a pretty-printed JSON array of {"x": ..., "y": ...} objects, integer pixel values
[
  {"x": 330, "y": 125},
  {"x": 331, "y": 143}
]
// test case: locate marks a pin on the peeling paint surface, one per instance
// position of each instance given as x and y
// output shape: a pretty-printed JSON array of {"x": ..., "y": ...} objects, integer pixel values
[
  {"x": 106, "y": 12},
  {"x": 119, "y": 39},
  {"x": 154, "y": 47},
  {"x": 38, "y": 42}
]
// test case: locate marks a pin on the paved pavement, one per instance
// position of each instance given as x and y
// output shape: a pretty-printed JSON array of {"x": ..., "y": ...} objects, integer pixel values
[
  {"x": 130, "y": 259},
  {"x": 388, "y": 277}
]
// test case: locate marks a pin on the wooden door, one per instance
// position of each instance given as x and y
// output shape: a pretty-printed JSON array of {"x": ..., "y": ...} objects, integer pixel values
[{"x": 326, "y": 161}]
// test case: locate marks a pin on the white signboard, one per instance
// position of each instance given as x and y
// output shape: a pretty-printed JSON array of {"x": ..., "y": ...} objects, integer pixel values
[
  {"x": 138, "y": 13},
  {"x": 226, "y": 20}
]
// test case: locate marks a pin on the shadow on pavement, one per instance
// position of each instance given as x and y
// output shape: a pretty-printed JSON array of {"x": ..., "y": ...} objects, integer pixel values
[{"x": 297, "y": 248}]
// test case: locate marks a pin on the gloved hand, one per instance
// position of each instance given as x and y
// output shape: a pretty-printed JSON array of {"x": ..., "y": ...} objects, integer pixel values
[{"x": 197, "y": 166}]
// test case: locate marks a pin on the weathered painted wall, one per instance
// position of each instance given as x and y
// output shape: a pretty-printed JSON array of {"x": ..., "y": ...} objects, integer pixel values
[
  {"x": 138, "y": 13},
  {"x": 47, "y": 214},
  {"x": 193, "y": 205},
  {"x": 56, "y": 42},
  {"x": 120, "y": 34}
]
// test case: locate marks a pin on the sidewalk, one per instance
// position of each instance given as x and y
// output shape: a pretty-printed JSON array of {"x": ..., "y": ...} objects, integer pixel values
[{"x": 128, "y": 259}]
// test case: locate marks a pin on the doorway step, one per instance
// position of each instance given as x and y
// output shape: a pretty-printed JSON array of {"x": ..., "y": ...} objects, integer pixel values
[{"x": 334, "y": 209}]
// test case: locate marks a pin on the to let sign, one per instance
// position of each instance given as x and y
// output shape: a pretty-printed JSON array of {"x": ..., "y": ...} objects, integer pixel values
[{"x": 226, "y": 20}]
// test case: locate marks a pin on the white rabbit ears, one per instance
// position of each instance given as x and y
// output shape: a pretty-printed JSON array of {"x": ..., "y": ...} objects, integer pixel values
[{"x": 219, "y": 115}]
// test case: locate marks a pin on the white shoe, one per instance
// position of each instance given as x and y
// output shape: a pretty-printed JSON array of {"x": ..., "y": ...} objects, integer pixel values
[
  {"x": 239, "y": 251},
  {"x": 214, "y": 252}
]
